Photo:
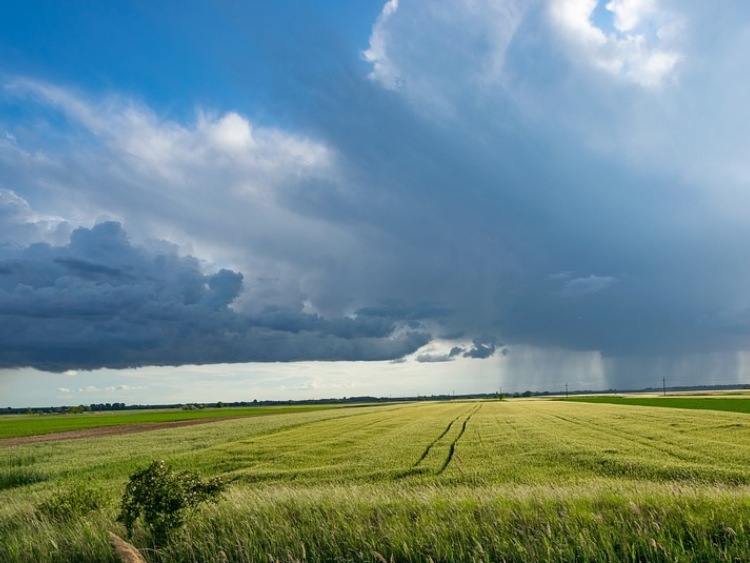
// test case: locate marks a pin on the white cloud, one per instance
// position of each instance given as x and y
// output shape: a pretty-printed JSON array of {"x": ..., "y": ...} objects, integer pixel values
[
  {"x": 219, "y": 187},
  {"x": 21, "y": 225},
  {"x": 628, "y": 14},
  {"x": 231, "y": 131},
  {"x": 124, "y": 387},
  {"x": 383, "y": 69},
  {"x": 177, "y": 151},
  {"x": 431, "y": 52},
  {"x": 585, "y": 286},
  {"x": 636, "y": 51},
  {"x": 428, "y": 51}
]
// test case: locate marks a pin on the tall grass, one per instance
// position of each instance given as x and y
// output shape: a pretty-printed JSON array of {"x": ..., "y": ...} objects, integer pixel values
[
  {"x": 19, "y": 472},
  {"x": 504, "y": 481},
  {"x": 422, "y": 523}
]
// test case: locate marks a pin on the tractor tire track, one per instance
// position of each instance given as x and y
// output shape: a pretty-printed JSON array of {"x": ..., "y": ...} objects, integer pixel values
[
  {"x": 452, "y": 448},
  {"x": 435, "y": 441}
]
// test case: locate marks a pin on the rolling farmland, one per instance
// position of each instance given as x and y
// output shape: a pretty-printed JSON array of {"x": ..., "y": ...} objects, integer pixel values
[{"x": 451, "y": 481}]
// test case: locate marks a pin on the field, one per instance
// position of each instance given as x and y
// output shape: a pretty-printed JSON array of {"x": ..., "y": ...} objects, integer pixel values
[
  {"x": 514, "y": 480},
  {"x": 17, "y": 426},
  {"x": 730, "y": 403}
]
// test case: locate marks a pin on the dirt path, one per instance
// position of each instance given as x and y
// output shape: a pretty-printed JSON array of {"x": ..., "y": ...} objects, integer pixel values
[{"x": 105, "y": 431}]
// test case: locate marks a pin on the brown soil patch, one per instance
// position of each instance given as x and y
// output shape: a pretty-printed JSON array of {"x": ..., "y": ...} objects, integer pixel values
[{"x": 105, "y": 431}]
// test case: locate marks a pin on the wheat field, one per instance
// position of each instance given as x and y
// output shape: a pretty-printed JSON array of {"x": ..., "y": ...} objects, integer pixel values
[{"x": 513, "y": 480}]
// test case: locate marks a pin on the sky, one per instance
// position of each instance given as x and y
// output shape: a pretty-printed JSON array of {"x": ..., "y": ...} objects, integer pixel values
[{"x": 220, "y": 201}]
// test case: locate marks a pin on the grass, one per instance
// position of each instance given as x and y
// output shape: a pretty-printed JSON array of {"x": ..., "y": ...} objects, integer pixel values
[
  {"x": 453, "y": 481},
  {"x": 739, "y": 404},
  {"x": 32, "y": 425}
]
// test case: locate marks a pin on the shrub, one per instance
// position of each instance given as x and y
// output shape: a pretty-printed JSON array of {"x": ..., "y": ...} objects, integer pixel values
[
  {"x": 77, "y": 501},
  {"x": 163, "y": 498}
]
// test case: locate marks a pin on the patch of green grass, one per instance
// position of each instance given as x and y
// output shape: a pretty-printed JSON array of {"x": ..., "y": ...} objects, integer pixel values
[
  {"x": 33, "y": 425},
  {"x": 728, "y": 404},
  {"x": 12, "y": 477}
]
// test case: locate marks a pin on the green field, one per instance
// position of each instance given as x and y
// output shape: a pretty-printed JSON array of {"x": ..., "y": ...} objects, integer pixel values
[
  {"x": 14, "y": 426},
  {"x": 722, "y": 403},
  {"x": 523, "y": 480}
]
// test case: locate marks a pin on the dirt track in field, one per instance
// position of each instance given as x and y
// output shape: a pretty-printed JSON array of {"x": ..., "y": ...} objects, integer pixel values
[{"x": 102, "y": 431}]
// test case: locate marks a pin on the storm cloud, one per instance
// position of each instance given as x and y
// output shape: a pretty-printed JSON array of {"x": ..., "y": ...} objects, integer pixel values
[
  {"x": 100, "y": 301},
  {"x": 564, "y": 177}
]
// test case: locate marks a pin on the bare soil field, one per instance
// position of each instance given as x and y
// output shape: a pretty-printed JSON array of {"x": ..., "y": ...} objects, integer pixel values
[{"x": 105, "y": 431}]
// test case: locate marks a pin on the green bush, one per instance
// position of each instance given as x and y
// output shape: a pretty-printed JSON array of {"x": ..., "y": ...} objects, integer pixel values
[
  {"x": 77, "y": 501},
  {"x": 163, "y": 498}
]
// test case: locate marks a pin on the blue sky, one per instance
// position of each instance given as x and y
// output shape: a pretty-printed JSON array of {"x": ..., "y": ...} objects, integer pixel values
[{"x": 207, "y": 201}]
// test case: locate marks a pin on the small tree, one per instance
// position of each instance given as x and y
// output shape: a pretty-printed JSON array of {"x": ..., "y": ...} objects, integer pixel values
[{"x": 163, "y": 498}]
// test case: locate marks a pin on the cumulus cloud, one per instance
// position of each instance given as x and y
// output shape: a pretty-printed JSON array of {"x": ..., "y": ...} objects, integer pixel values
[
  {"x": 113, "y": 154},
  {"x": 100, "y": 301},
  {"x": 637, "y": 50},
  {"x": 481, "y": 349},
  {"x": 412, "y": 58},
  {"x": 20, "y": 225}
]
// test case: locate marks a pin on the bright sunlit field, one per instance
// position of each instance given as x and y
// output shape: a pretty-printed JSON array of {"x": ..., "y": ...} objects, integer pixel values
[{"x": 514, "y": 480}]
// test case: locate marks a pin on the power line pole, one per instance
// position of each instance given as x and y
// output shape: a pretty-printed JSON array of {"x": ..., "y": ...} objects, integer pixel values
[
  {"x": 566, "y": 390},
  {"x": 664, "y": 385}
]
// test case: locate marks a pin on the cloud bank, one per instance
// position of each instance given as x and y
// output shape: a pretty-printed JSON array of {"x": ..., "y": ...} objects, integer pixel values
[
  {"x": 553, "y": 175},
  {"x": 99, "y": 301}
]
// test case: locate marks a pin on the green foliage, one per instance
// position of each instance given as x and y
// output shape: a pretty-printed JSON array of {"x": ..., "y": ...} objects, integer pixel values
[
  {"x": 163, "y": 498},
  {"x": 75, "y": 502},
  {"x": 12, "y": 477}
]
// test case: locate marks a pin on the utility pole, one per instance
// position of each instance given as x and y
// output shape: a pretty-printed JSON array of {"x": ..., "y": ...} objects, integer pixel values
[
  {"x": 664, "y": 385},
  {"x": 566, "y": 390}
]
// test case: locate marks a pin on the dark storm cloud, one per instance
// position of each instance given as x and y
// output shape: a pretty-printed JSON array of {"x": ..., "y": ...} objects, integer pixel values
[
  {"x": 102, "y": 302},
  {"x": 540, "y": 151},
  {"x": 433, "y": 358},
  {"x": 88, "y": 269},
  {"x": 510, "y": 172},
  {"x": 481, "y": 349}
]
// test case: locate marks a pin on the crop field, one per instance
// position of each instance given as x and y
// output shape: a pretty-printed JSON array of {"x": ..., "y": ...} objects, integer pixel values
[
  {"x": 16, "y": 426},
  {"x": 514, "y": 480},
  {"x": 731, "y": 403}
]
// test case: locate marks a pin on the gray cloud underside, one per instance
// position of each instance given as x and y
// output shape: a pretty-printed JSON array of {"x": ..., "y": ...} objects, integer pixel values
[
  {"x": 450, "y": 190},
  {"x": 101, "y": 302}
]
